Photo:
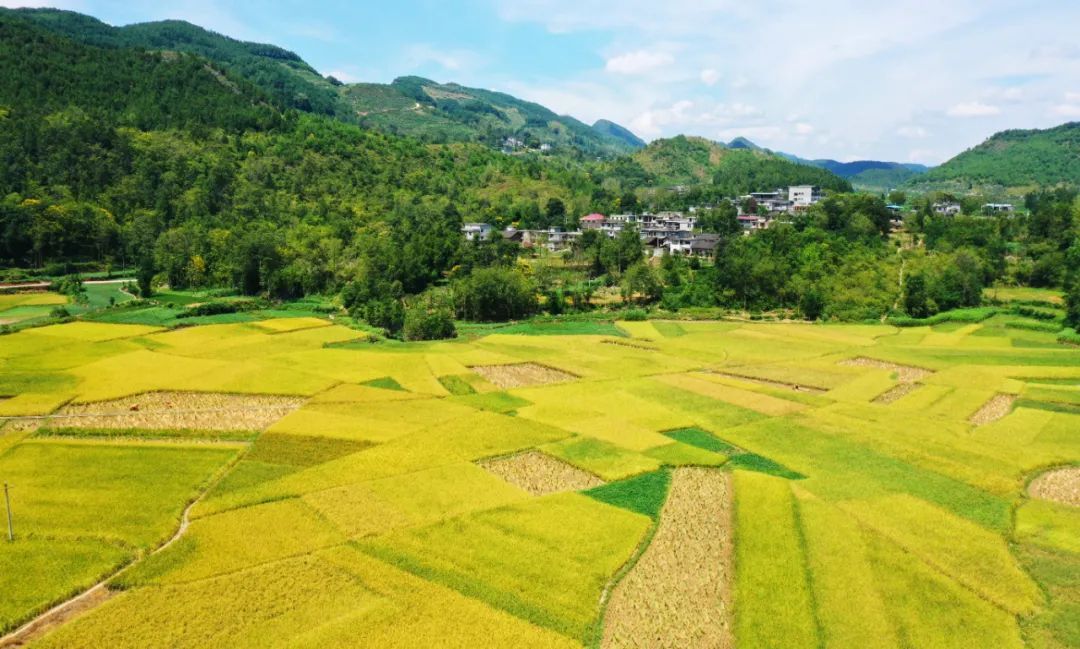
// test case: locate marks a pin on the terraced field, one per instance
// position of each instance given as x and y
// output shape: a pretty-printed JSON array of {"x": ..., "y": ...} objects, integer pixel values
[{"x": 695, "y": 484}]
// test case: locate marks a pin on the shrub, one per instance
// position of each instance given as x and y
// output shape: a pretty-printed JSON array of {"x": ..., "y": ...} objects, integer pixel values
[
  {"x": 387, "y": 314},
  {"x": 635, "y": 315},
  {"x": 424, "y": 323}
]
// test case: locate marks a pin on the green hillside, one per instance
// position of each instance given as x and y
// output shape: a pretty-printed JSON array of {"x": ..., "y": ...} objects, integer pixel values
[
  {"x": 696, "y": 161},
  {"x": 612, "y": 129},
  {"x": 448, "y": 112},
  {"x": 1016, "y": 160}
]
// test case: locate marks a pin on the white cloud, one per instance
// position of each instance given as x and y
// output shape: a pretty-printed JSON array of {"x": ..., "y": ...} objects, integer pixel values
[
  {"x": 802, "y": 128},
  {"x": 973, "y": 109},
  {"x": 945, "y": 74},
  {"x": 709, "y": 76},
  {"x": 451, "y": 60},
  {"x": 1069, "y": 111},
  {"x": 912, "y": 132},
  {"x": 639, "y": 62}
]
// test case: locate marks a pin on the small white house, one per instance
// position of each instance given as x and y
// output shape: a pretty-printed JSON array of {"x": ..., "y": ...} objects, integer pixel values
[
  {"x": 477, "y": 231},
  {"x": 947, "y": 209}
]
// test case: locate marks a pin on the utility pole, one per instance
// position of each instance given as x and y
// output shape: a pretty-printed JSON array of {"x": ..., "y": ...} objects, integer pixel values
[{"x": 7, "y": 504}]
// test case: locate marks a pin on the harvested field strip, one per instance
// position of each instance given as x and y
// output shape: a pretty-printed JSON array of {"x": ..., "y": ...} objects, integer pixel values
[
  {"x": 180, "y": 410},
  {"x": 897, "y": 393},
  {"x": 520, "y": 375},
  {"x": 678, "y": 594},
  {"x": 993, "y": 409},
  {"x": 798, "y": 387},
  {"x": 540, "y": 474},
  {"x": 1060, "y": 486},
  {"x": 904, "y": 373},
  {"x": 631, "y": 345}
]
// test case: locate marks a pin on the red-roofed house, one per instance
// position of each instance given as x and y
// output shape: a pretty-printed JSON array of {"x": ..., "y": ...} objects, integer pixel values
[{"x": 592, "y": 221}]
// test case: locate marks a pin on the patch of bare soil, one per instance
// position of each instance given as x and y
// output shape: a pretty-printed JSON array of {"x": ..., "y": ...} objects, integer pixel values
[
  {"x": 993, "y": 410},
  {"x": 57, "y": 617},
  {"x": 904, "y": 373},
  {"x": 540, "y": 474},
  {"x": 522, "y": 375},
  {"x": 1059, "y": 485},
  {"x": 179, "y": 410},
  {"x": 797, "y": 387},
  {"x": 679, "y": 592},
  {"x": 897, "y": 393}
]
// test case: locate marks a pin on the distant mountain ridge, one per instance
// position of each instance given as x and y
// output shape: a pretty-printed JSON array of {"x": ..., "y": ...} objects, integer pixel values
[
  {"x": 866, "y": 174},
  {"x": 411, "y": 106}
]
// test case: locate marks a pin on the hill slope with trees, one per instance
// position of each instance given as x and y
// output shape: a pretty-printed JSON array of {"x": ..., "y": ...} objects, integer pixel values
[{"x": 1016, "y": 160}]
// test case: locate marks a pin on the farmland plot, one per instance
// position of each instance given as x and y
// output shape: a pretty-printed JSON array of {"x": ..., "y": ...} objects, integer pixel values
[{"x": 691, "y": 484}]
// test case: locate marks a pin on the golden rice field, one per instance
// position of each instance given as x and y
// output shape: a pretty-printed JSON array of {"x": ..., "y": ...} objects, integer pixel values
[{"x": 691, "y": 484}]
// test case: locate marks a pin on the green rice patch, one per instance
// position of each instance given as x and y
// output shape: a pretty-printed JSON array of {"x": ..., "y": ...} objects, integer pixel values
[
  {"x": 386, "y": 383},
  {"x": 644, "y": 494},
  {"x": 456, "y": 385}
]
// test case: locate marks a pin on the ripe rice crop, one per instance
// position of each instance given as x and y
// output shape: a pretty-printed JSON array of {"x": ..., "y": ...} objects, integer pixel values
[
  {"x": 92, "y": 331},
  {"x": 678, "y": 594},
  {"x": 769, "y": 558},
  {"x": 520, "y": 375},
  {"x": 546, "y": 560},
  {"x": 540, "y": 474},
  {"x": 285, "y": 325},
  {"x": 179, "y": 410}
]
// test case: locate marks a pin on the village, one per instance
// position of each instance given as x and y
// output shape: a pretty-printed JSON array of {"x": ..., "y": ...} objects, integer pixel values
[{"x": 677, "y": 233}]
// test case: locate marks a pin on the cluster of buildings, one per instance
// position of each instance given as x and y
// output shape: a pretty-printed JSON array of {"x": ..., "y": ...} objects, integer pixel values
[
  {"x": 664, "y": 232},
  {"x": 952, "y": 208}
]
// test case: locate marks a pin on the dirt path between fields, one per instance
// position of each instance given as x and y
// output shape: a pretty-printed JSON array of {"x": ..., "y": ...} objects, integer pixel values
[
  {"x": 679, "y": 593},
  {"x": 99, "y": 593}
]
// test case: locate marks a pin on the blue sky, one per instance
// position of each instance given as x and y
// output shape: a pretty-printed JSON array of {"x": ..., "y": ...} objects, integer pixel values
[{"x": 907, "y": 80}]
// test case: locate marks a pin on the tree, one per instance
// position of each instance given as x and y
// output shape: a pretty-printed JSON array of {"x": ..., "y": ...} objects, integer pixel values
[
  {"x": 555, "y": 211},
  {"x": 897, "y": 197},
  {"x": 641, "y": 284},
  {"x": 1072, "y": 306},
  {"x": 722, "y": 220},
  {"x": 495, "y": 295},
  {"x": 917, "y": 300}
]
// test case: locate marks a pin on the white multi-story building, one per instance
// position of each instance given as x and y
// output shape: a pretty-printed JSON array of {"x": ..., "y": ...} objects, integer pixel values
[{"x": 802, "y": 196}]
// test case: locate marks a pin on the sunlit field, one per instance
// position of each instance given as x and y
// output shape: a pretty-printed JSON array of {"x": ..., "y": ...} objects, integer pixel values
[{"x": 664, "y": 484}]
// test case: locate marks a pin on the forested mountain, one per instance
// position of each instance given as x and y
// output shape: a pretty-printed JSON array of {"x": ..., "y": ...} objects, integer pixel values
[
  {"x": 448, "y": 112},
  {"x": 411, "y": 106},
  {"x": 281, "y": 74},
  {"x": 685, "y": 160},
  {"x": 1017, "y": 160}
]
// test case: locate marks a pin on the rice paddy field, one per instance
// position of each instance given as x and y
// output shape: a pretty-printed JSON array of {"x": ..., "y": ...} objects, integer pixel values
[{"x": 288, "y": 482}]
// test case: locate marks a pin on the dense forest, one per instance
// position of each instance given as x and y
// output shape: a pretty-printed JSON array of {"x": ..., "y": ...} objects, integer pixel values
[{"x": 202, "y": 176}]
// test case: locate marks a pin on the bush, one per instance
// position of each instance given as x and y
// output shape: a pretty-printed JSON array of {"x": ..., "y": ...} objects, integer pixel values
[
  {"x": 635, "y": 315},
  {"x": 387, "y": 314},
  {"x": 495, "y": 295},
  {"x": 218, "y": 308},
  {"x": 424, "y": 323}
]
